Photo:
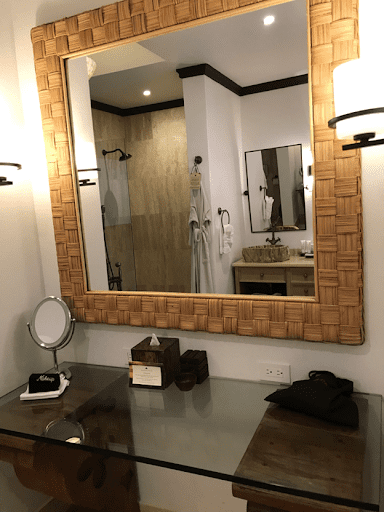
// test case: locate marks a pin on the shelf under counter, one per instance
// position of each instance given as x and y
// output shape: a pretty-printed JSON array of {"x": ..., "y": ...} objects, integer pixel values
[{"x": 293, "y": 277}]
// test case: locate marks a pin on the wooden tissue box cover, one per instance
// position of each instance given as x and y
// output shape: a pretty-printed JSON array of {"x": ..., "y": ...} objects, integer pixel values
[
  {"x": 195, "y": 361},
  {"x": 167, "y": 354}
]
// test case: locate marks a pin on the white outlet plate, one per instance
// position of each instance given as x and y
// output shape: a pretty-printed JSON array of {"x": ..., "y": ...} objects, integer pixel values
[
  {"x": 127, "y": 356},
  {"x": 273, "y": 372}
]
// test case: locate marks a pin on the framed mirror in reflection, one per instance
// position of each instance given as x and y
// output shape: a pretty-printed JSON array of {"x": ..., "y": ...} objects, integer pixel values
[
  {"x": 276, "y": 192},
  {"x": 217, "y": 90}
]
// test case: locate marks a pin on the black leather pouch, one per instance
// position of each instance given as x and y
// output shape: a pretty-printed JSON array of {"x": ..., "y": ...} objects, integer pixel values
[
  {"x": 42, "y": 382},
  {"x": 323, "y": 395}
]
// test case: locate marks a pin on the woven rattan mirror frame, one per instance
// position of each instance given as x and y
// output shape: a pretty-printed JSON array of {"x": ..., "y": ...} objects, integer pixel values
[{"x": 335, "y": 314}]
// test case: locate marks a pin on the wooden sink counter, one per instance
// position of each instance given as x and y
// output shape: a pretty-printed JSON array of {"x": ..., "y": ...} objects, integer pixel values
[{"x": 291, "y": 277}]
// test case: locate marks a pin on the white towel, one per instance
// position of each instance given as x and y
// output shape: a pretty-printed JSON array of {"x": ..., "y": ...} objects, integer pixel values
[
  {"x": 226, "y": 238},
  {"x": 46, "y": 394},
  {"x": 267, "y": 207}
]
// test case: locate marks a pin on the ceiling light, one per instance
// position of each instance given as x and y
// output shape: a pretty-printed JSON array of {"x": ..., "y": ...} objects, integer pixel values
[
  {"x": 147, "y": 93},
  {"x": 268, "y": 20}
]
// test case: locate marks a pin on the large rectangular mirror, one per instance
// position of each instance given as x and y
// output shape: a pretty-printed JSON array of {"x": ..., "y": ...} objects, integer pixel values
[
  {"x": 203, "y": 128},
  {"x": 136, "y": 211}
]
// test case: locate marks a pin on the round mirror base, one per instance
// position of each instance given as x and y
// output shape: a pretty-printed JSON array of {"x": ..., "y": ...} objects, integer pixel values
[{"x": 66, "y": 373}]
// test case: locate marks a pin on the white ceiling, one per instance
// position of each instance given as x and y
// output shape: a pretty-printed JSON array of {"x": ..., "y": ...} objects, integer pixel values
[{"x": 240, "y": 47}]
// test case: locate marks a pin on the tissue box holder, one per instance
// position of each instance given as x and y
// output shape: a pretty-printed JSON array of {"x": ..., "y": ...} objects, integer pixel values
[
  {"x": 167, "y": 354},
  {"x": 195, "y": 361}
]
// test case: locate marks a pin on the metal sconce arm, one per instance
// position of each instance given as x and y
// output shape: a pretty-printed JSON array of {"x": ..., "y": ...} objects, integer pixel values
[
  {"x": 363, "y": 139},
  {"x": 3, "y": 179}
]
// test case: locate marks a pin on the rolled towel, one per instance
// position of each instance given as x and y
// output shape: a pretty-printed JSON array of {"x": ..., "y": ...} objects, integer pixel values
[
  {"x": 226, "y": 238},
  {"x": 267, "y": 207}
]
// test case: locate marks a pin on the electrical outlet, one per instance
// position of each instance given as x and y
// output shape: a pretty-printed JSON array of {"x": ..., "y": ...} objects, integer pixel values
[
  {"x": 275, "y": 372},
  {"x": 127, "y": 356}
]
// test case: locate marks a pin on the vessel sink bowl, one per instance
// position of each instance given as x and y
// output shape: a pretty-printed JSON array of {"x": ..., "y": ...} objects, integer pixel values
[{"x": 266, "y": 253}]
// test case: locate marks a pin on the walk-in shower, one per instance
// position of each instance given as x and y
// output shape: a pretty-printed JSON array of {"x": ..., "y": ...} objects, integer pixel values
[{"x": 116, "y": 221}]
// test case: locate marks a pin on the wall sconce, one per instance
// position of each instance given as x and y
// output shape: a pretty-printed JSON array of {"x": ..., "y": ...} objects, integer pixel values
[
  {"x": 357, "y": 89},
  {"x": 3, "y": 179},
  {"x": 91, "y": 175}
]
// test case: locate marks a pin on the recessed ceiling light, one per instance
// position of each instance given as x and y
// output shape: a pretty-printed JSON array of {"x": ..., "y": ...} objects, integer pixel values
[
  {"x": 268, "y": 20},
  {"x": 147, "y": 93}
]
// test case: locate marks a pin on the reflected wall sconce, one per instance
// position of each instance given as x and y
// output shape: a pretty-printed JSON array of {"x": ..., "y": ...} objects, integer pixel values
[
  {"x": 309, "y": 180},
  {"x": 357, "y": 89},
  {"x": 3, "y": 179},
  {"x": 91, "y": 175}
]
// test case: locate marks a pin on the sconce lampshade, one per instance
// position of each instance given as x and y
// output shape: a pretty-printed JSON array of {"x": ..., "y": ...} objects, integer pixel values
[{"x": 359, "y": 106}]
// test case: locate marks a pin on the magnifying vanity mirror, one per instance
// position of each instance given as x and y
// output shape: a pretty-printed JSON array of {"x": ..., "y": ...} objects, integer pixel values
[
  {"x": 51, "y": 327},
  {"x": 86, "y": 122}
]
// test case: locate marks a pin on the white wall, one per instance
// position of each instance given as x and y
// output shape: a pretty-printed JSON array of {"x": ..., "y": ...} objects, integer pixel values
[
  {"x": 85, "y": 158},
  {"x": 224, "y": 145},
  {"x": 195, "y": 109},
  {"x": 212, "y": 115},
  {"x": 229, "y": 356},
  {"x": 273, "y": 119},
  {"x": 22, "y": 281}
]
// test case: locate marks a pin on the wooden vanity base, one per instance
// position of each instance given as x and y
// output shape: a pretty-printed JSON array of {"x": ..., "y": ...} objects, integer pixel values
[
  {"x": 301, "y": 452},
  {"x": 295, "y": 276},
  {"x": 58, "y": 506},
  {"x": 255, "y": 507},
  {"x": 91, "y": 480}
]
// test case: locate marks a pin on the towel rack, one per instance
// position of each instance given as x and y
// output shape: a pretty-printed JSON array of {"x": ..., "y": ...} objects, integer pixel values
[
  {"x": 263, "y": 188},
  {"x": 221, "y": 212}
]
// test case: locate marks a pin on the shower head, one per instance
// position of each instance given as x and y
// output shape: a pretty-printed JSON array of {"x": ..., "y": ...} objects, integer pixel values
[{"x": 124, "y": 156}]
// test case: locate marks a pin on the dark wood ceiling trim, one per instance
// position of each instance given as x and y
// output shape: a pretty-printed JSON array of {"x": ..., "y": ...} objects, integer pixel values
[
  {"x": 124, "y": 112},
  {"x": 207, "y": 70},
  {"x": 154, "y": 107},
  {"x": 275, "y": 84},
  {"x": 197, "y": 70},
  {"x": 212, "y": 73},
  {"x": 104, "y": 107}
]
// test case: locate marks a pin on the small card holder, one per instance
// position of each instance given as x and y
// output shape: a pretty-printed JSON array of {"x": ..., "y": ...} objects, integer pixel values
[
  {"x": 42, "y": 382},
  {"x": 146, "y": 375}
]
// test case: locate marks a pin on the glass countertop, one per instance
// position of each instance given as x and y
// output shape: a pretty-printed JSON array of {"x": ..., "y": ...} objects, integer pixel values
[{"x": 205, "y": 431}]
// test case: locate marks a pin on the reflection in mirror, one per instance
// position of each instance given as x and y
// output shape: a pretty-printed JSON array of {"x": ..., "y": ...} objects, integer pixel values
[
  {"x": 217, "y": 90},
  {"x": 276, "y": 189},
  {"x": 50, "y": 322}
]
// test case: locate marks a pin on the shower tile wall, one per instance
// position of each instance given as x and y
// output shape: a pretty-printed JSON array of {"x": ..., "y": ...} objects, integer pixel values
[
  {"x": 159, "y": 193},
  {"x": 158, "y": 175}
]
